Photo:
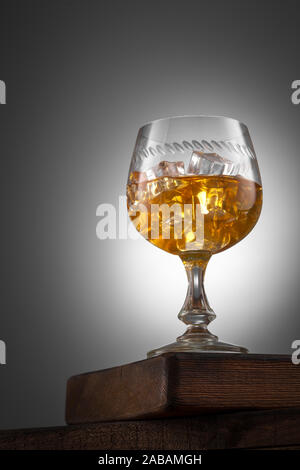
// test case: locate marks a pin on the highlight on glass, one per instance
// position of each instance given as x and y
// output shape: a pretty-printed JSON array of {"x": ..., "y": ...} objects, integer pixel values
[{"x": 194, "y": 190}]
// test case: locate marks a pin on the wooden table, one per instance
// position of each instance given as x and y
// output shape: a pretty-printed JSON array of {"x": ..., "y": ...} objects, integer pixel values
[
  {"x": 178, "y": 402},
  {"x": 240, "y": 430}
]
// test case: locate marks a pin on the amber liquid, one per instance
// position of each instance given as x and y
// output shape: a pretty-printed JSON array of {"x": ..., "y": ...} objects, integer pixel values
[{"x": 229, "y": 207}]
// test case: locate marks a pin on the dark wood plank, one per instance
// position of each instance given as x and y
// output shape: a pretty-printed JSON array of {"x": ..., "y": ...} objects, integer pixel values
[
  {"x": 240, "y": 430},
  {"x": 119, "y": 393},
  {"x": 183, "y": 384}
]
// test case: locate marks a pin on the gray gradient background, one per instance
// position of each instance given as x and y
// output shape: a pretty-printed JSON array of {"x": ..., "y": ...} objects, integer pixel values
[{"x": 81, "y": 77}]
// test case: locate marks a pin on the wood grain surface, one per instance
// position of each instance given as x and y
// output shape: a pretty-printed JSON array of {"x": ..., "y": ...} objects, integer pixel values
[
  {"x": 183, "y": 384},
  {"x": 270, "y": 429}
]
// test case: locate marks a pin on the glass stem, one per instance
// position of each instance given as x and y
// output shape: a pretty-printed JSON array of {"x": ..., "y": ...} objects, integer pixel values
[{"x": 196, "y": 312}]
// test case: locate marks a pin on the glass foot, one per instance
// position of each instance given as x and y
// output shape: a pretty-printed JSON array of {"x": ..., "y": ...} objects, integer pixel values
[
  {"x": 196, "y": 313},
  {"x": 198, "y": 347}
]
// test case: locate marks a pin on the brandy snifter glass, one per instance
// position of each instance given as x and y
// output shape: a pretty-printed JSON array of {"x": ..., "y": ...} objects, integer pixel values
[{"x": 194, "y": 190}]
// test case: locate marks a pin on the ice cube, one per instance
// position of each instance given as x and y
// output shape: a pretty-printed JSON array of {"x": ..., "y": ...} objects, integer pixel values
[
  {"x": 202, "y": 163},
  {"x": 164, "y": 168},
  {"x": 137, "y": 177}
]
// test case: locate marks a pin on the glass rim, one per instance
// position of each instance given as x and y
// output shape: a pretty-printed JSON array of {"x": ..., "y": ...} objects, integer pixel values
[{"x": 183, "y": 116}]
